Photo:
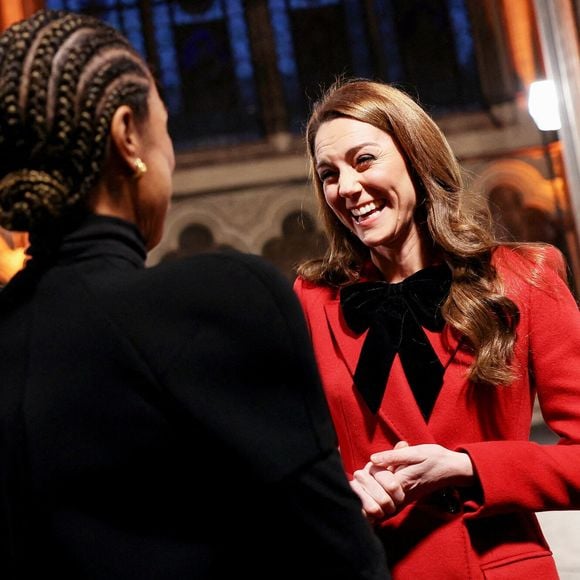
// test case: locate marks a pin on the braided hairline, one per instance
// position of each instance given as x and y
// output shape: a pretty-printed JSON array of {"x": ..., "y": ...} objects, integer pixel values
[
  {"x": 59, "y": 81},
  {"x": 41, "y": 63},
  {"x": 58, "y": 126},
  {"x": 30, "y": 189},
  {"x": 11, "y": 62},
  {"x": 118, "y": 91},
  {"x": 42, "y": 42},
  {"x": 97, "y": 57},
  {"x": 113, "y": 56},
  {"x": 67, "y": 61}
]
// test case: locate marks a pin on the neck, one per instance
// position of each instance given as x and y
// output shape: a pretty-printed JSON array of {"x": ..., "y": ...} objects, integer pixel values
[{"x": 397, "y": 264}]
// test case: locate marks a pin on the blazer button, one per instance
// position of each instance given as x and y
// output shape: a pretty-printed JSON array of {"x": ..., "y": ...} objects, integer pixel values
[{"x": 450, "y": 500}]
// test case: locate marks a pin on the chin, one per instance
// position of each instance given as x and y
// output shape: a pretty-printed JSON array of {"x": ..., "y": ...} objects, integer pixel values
[{"x": 374, "y": 242}]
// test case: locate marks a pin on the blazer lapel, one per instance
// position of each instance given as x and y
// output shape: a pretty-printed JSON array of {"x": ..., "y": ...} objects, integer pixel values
[
  {"x": 401, "y": 411},
  {"x": 349, "y": 343},
  {"x": 399, "y": 408}
]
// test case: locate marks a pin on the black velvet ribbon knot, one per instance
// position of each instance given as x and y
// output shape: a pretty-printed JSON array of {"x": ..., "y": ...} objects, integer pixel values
[{"x": 395, "y": 314}]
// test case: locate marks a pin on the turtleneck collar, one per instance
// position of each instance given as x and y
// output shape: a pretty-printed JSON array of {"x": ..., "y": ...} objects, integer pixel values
[{"x": 94, "y": 236}]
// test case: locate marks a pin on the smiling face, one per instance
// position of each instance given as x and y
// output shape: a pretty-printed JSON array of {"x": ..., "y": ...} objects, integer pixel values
[{"x": 367, "y": 185}]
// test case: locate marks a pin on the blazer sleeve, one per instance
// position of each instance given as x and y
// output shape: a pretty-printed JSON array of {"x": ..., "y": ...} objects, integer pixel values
[
  {"x": 247, "y": 378},
  {"x": 525, "y": 474}
]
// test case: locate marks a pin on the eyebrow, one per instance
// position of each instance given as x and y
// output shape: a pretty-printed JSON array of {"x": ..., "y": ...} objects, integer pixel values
[{"x": 351, "y": 151}]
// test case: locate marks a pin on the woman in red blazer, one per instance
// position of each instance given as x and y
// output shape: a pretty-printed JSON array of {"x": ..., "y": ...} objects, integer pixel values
[{"x": 433, "y": 341}]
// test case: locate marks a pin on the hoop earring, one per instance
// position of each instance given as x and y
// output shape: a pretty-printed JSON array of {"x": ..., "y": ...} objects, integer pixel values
[{"x": 140, "y": 168}]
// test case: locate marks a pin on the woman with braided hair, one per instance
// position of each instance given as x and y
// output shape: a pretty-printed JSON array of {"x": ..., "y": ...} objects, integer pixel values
[
  {"x": 154, "y": 423},
  {"x": 433, "y": 340}
]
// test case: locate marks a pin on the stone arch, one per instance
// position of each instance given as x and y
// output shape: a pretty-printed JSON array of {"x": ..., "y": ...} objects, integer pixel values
[
  {"x": 298, "y": 239},
  {"x": 519, "y": 176},
  {"x": 288, "y": 201},
  {"x": 521, "y": 201},
  {"x": 190, "y": 230},
  {"x": 506, "y": 204},
  {"x": 245, "y": 220},
  {"x": 195, "y": 238}
]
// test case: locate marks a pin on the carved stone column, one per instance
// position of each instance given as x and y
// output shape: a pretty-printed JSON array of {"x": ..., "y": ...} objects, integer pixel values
[
  {"x": 498, "y": 77},
  {"x": 268, "y": 81},
  {"x": 523, "y": 40}
]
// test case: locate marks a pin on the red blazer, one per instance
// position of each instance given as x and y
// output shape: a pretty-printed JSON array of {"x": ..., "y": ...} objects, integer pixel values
[{"x": 495, "y": 535}]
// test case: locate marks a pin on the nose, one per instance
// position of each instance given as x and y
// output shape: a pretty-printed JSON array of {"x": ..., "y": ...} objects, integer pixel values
[{"x": 348, "y": 183}]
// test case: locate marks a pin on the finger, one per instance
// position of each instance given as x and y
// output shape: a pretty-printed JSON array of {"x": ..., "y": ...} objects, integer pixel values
[
  {"x": 370, "y": 507},
  {"x": 374, "y": 489},
  {"x": 398, "y": 445},
  {"x": 402, "y": 455},
  {"x": 392, "y": 485},
  {"x": 367, "y": 482},
  {"x": 382, "y": 458}
]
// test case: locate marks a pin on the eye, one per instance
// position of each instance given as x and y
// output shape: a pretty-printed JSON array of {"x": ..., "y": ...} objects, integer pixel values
[
  {"x": 326, "y": 174},
  {"x": 364, "y": 160}
]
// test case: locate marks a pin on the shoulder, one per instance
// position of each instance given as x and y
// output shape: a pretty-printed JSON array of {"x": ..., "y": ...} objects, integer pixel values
[
  {"x": 311, "y": 292},
  {"x": 227, "y": 281},
  {"x": 538, "y": 266},
  {"x": 233, "y": 268},
  {"x": 527, "y": 259}
]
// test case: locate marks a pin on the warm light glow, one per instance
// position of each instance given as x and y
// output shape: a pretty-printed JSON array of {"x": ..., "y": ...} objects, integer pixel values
[
  {"x": 10, "y": 12},
  {"x": 543, "y": 105},
  {"x": 12, "y": 253}
]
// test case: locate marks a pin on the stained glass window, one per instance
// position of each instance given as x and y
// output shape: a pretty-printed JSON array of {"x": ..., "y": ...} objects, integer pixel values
[{"x": 234, "y": 71}]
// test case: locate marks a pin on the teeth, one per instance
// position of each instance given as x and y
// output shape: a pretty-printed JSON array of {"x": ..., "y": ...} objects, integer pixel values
[{"x": 364, "y": 209}]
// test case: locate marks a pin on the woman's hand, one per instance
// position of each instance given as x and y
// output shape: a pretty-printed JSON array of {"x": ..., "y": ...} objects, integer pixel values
[
  {"x": 379, "y": 490},
  {"x": 423, "y": 469}
]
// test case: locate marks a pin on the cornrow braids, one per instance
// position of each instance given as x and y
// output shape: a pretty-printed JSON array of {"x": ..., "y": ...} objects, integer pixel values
[{"x": 62, "y": 77}]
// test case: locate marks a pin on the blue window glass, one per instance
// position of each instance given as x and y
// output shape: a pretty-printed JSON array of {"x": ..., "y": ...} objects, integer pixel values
[
  {"x": 201, "y": 55},
  {"x": 210, "y": 74},
  {"x": 201, "y": 52}
]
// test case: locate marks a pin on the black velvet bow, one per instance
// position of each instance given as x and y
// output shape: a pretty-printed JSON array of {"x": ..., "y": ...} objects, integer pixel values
[{"x": 395, "y": 314}]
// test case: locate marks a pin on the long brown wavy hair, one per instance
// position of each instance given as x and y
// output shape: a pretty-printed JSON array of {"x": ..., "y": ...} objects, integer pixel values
[{"x": 476, "y": 308}]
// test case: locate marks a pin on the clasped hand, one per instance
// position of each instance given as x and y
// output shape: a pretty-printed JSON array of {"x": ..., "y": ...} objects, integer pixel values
[{"x": 392, "y": 479}]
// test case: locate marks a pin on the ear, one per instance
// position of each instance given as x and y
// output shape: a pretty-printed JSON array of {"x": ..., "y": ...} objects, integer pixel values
[{"x": 125, "y": 137}]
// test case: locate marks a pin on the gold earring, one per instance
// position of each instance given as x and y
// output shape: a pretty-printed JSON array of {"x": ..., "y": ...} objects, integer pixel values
[{"x": 140, "y": 168}]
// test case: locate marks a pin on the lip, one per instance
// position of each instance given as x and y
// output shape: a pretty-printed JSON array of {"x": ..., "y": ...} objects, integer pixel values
[{"x": 373, "y": 212}]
